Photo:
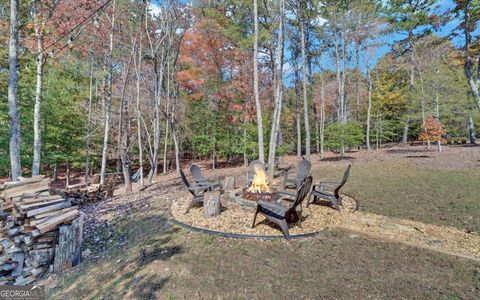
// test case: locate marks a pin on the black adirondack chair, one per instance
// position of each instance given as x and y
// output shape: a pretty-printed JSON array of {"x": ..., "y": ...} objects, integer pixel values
[
  {"x": 212, "y": 184},
  {"x": 196, "y": 190},
  {"x": 330, "y": 190},
  {"x": 303, "y": 170},
  {"x": 283, "y": 215}
]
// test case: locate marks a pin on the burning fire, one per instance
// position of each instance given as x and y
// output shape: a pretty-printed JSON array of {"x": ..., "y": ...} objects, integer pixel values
[{"x": 259, "y": 183}]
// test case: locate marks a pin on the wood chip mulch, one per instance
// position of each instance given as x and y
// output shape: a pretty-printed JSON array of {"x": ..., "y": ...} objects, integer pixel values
[{"x": 238, "y": 219}]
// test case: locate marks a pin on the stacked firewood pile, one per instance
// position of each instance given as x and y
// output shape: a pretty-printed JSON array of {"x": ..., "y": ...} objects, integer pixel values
[
  {"x": 87, "y": 193},
  {"x": 29, "y": 220}
]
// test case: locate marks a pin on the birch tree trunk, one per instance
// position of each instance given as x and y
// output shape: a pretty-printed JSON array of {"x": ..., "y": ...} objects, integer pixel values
[
  {"x": 165, "y": 140},
  {"x": 12, "y": 92},
  {"x": 298, "y": 117},
  {"x": 322, "y": 118},
  {"x": 411, "y": 87},
  {"x": 108, "y": 102},
  {"x": 138, "y": 68},
  {"x": 344, "y": 76},
  {"x": 471, "y": 129},
  {"x": 305, "y": 99},
  {"x": 278, "y": 94},
  {"x": 261, "y": 150},
  {"x": 369, "y": 108},
  {"x": 125, "y": 127},
  {"x": 469, "y": 63},
  {"x": 437, "y": 112},
  {"x": 357, "y": 85},
  {"x": 312, "y": 82},
  {"x": 37, "y": 135},
  {"x": 89, "y": 123}
]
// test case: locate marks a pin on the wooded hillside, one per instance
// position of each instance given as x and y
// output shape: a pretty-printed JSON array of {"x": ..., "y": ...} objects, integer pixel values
[{"x": 112, "y": 85}]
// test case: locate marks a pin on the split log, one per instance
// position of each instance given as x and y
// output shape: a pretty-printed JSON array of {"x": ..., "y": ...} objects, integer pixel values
[
  {"x": 45, "y": 209},
  {"x": 68, "y": 251},
  {"x": 211, "y": 204},
  {"x": 36, "y": 187},
  {"x": 229, "y": 183},
  {"x": 52, "y": 223}
]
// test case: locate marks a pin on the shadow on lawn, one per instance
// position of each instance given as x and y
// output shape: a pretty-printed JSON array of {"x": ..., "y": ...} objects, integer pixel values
[
  {"x": 406, "y": 151},
  {"x": 134, "y": 267},
  {"x": 337, "y": 158}
]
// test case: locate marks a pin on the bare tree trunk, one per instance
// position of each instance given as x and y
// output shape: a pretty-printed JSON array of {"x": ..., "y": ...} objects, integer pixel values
[
  {"x": 412, "y": 81},
  {"x": 471, "y": 129},
  {"x": 37, "y": 135},
  {"x": 125, "y": 127},
  {"x": 357, "y": 85},
  {"x": 437, "y": 112},
  {"x": 108, "y": 104},
  {"x": 12, "y": 92},
  {"x": 261, "y": 150},
  {"x": 317, "y": 125},
  {"x": 322, "y": 118},
  {"x": 338, "y": 78},
  {"x": 138, "y": 69},
  {"x": 344, "y": 78},
  {"x": 245, "y": 159},
  {"x": 278, "y": 94},
  {"x": 174, "y": 133},
  {"x": 298, "y": 116},
  {"x": 67, "y": 181},
  {"x": 89, "y": 122},
  {"x": 165, "y": 140},
  {"x": 369, "y": 108},
  {"x": 305, "y": 99},
  {"x": 311, "y": 79},
  {"x": 469, "y": 63}
]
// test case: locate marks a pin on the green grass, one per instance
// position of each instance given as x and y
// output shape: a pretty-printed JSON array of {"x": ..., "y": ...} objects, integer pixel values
[
  {"x": 399, "y": 189},
  {"x": 171, "y": 263}
]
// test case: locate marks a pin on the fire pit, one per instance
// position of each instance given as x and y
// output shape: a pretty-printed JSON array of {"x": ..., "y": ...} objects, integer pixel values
[
  {"x": 253, "y": 196},
  {"x": 258, "y": 190}
]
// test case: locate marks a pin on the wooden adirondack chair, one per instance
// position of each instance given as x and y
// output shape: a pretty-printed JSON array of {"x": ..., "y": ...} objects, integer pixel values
[
  {"x": 303, "y": 170},
  {"x": 330, "y": 190},
  {"x": 196, "y": 190},
  {"x": 283, "y": 215},
  {"x": 197, "y": 175}
]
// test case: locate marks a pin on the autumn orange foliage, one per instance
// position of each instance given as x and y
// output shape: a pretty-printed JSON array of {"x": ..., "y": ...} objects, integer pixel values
[{"x": 432, "y": 130}]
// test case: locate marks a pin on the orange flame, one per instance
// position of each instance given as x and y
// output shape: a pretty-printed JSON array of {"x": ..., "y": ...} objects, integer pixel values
[{"x": 259, "y": 183}]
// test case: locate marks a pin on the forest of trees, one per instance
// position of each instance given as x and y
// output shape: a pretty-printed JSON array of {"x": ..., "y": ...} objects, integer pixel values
[{"x": 111, "y": 85}]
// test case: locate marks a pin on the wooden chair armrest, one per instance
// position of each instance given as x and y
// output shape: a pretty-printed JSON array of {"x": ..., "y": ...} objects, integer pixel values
[{"x": 289, "y": 195}]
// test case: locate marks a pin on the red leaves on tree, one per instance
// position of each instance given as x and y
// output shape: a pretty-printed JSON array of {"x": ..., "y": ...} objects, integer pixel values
[
  {"x": 432, "y": 130},
  {"x": 213, "y": 67}
]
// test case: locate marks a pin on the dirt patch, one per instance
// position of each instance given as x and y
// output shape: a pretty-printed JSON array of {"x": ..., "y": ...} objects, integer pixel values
[{"x": 438, "y": 238}]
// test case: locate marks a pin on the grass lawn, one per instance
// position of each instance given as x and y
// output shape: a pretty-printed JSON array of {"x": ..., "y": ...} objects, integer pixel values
[
  {"x": 398, "y": 188},
  {"x": 170, "y": 263},
  {"x": 140, "y": 255}
]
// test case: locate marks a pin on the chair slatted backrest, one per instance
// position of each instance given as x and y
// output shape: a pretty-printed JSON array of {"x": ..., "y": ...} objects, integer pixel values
[
  {"x": 303, "y": 191},
  {"x": 197, "y": 174},
  {"x": 344, "y": 180},
  {"x": 303, "y": 171},
  {"x": 185, "y": 181}
]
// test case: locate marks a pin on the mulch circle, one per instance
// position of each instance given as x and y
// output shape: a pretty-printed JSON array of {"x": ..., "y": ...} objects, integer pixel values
[{"x": 235, "y": 220}]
